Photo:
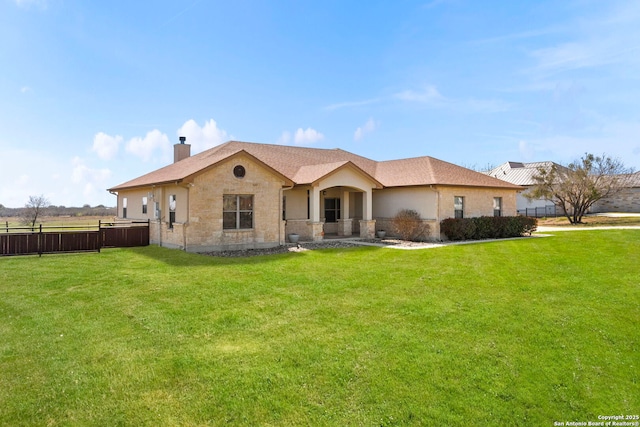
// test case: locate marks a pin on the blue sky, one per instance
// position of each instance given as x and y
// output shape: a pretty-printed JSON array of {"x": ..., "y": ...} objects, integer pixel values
[{"x": 95, "y": 93}]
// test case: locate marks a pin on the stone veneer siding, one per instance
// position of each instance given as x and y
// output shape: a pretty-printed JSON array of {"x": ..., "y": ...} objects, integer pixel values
[
  {"x": 628, "y": 200},
  {"x": 386, "y": 224},
  {"x": 204, "y": 231},
  {"x": 477, "y": 202}
]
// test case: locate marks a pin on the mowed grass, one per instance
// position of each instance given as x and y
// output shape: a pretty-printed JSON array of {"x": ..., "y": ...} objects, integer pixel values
[{"x": 520, "y": 332}]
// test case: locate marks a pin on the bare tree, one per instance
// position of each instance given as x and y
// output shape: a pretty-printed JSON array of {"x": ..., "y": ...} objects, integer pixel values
[
  {"x": 34, "y": 208},
  {"x": 409, "y": 226},
  {"x": 576, "y": 187}
]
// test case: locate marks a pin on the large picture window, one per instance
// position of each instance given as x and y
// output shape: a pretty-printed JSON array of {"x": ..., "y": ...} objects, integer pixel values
[
  {"x": 237, "y": 212},
  {"x": 458, "y": 206},
  {"x": 331, "y": 210}
]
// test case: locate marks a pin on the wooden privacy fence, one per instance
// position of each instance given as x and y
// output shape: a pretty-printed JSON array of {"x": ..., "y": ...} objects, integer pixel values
[{"x": 45, "y": 240}]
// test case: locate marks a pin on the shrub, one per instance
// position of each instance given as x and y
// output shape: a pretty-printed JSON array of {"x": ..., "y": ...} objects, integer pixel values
[
  {"x": 487, "y": 227},
  {"x": 409, "y": 226}
]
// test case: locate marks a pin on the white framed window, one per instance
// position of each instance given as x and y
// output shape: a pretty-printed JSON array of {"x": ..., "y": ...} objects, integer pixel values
[
  {"x": 124, "y": 207},
  {"x": 144, "y": 205},
  {"x": 172, "y": 210},
  {"x": 458, "y": 206},
  {"x": 497, "y": 206}
]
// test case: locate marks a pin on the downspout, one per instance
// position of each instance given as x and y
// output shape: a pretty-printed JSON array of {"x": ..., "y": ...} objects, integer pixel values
[
  {"x": 281, "y": 239},
  {"x": 115, "y": 193},
  {"x": 439, "y": 237},
  {"x": 186, "y": 223},
  {"x": 161, "y": 210}
]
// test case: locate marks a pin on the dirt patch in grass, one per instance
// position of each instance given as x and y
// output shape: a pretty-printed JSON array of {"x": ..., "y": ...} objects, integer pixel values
[{"x": 591, "y": 221}]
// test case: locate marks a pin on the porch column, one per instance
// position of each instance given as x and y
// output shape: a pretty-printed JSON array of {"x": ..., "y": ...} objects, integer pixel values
[
  {"x": 316, "y": 227},
  {"x": 367, "y": 223},
  {"x": 367, "y": 205},
  {"x": 345, "y": 205},
  {"x": 345, "y": 222},
  {"x": 314, "y": 204}
]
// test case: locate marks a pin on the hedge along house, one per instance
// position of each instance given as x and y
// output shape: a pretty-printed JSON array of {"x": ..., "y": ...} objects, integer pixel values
[{"x": 246, "y": 195}]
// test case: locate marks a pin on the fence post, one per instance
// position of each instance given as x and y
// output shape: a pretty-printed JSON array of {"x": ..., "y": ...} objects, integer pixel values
[
  {"x": 40, "y": 241},
  {"x": 99, "y": 235}
]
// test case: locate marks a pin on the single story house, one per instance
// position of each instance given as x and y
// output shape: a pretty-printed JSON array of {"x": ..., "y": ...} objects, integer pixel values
[{"x": 241, "y": 195}]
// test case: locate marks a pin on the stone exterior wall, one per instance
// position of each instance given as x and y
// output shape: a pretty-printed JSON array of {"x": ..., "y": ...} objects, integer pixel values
[
  {"x": 628, "y": 200},
  {"x": 477, "y": 201},
  {"x": 205, "y": 229},
  {"x": 386, "y": 224},
  {"x": 300, "y": 227}
]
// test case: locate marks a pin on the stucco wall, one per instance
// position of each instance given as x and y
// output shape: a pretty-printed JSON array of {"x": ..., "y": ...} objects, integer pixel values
[
  {"x": 523, "y": 203},
  {"x": 387, "y": 202},
  {"x": 134, "y": 204},
  {"x": 296, "y": 203},
  {"x": 346, "y": 177}
]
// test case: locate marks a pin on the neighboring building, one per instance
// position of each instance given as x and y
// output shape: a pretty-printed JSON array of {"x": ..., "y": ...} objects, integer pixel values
[
  {"x": 247, "y": 195},
  {"x": 627, "y": 200},
  {"x": 522, "y": 174}
]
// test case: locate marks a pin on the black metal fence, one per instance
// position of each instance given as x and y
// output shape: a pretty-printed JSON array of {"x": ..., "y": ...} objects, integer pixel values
[
  {"x": 540, "y": 212},
  {"x": 52, "y": 239}
]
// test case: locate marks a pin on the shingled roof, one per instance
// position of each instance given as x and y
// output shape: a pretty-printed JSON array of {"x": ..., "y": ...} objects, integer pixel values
[{"x": 302, "y": 165}]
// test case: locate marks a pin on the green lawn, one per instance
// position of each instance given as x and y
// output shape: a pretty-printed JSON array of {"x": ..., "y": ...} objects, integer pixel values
[{"x": 519, "y": 332}]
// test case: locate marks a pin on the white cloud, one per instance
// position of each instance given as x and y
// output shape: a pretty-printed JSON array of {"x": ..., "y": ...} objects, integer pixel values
[
  {"x": 25, "y": 89},
  {"x": 91, "y": 180},
  {"x": 64, "y": 181},
  {"x": 106, "y": 146},
  {"x": 350, "y": 104},
  {"x": 202, "y": 138},
  {"x": 300, "y": 137},
  {"x": 429, "y": 95},
  {"x": 307, "y": 137},
  {"x": 368, "y": 127},
  {"x": 81, "y": 173},
  {"x": 145, "y": 148},
  {"x": 595, "y": 41}
]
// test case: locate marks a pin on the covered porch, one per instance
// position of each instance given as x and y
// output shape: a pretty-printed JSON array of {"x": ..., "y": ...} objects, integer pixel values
[{"x": 338, "y": 204}]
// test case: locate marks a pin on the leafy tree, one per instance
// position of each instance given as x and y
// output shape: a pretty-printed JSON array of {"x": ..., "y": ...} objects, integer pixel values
[
  {"x": 34, "y": 208},
  {"x": 576, "y": 187}
]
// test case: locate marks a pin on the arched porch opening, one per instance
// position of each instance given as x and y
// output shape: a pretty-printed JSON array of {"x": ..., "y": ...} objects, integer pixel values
[
  {"x": 341, "y": 210},
  {"x": 337, "y": 211}
]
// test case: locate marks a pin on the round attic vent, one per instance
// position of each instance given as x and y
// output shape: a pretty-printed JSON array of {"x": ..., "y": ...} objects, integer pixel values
[{"x": 239, "y": 171}]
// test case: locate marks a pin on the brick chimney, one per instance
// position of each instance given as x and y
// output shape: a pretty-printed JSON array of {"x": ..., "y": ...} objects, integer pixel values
[{"x": 181, "y": 151}]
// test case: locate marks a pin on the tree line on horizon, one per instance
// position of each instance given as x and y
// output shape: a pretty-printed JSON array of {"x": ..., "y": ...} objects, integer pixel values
[{"x": 39, "y": 206}]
